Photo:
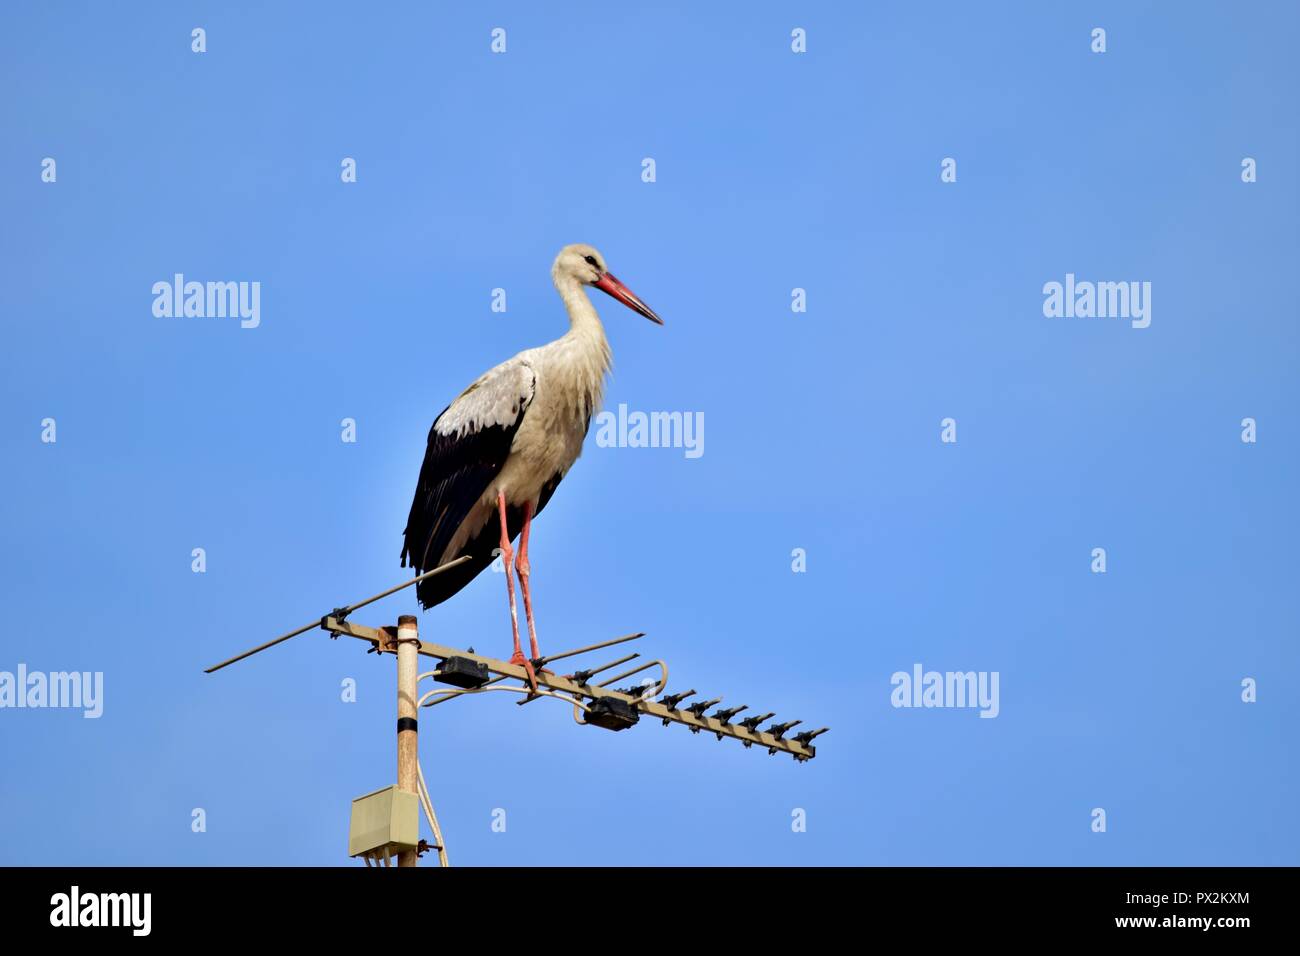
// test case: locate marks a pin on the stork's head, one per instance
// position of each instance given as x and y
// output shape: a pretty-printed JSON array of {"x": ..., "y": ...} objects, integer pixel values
[{"x": 584, "y": 264}]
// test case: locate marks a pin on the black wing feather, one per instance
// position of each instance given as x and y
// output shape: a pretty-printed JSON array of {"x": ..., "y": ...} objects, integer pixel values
[{"x": 458, "y": 468}]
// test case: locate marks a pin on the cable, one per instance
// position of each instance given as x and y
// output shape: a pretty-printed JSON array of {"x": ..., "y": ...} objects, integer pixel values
[
  {"x": 448, "y": 694},
  {"x": 432, "y": 817}
]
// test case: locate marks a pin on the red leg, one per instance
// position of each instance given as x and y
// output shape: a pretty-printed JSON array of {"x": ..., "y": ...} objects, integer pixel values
[
  {"x": 506, "y": 554},
  {"x": 521, "y": 566}
]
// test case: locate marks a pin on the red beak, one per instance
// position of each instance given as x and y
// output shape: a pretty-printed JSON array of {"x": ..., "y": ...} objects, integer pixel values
[{"x": 611, "y": 286}]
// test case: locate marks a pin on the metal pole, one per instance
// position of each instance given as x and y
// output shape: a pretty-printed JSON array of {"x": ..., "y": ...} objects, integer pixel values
[{"x": 408, "y": 752}]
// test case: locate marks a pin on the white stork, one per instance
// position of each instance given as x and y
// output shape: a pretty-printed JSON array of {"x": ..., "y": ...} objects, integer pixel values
[{"x": 497, "y": 453}]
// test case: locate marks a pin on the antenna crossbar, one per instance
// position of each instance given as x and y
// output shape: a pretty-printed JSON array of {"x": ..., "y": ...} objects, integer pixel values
[{"x": 383, "y": 640}]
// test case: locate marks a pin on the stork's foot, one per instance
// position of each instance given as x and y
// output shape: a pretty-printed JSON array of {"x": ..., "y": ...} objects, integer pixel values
[{"x": 519, "y": 660}]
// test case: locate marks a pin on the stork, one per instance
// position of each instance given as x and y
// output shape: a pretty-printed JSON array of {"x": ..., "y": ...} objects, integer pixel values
[{"x": 496, "y": 454}]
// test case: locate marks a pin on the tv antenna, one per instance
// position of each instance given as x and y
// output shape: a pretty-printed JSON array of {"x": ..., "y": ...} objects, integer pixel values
[{"x": 385, "y": 824}]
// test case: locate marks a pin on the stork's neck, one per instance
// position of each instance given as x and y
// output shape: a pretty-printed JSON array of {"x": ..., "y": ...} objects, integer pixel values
[
  {"x": 582, "y": 357},
  {"x": 585, "y": 329},
  {"x": 583, "y": 319}
]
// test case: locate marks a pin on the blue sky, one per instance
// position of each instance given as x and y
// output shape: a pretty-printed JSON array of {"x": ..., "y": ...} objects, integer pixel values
[{"x": 775, "y": 170}]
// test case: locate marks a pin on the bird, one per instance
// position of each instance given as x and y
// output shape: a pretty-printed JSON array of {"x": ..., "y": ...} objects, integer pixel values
[{"x": 496, "y": 454}]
